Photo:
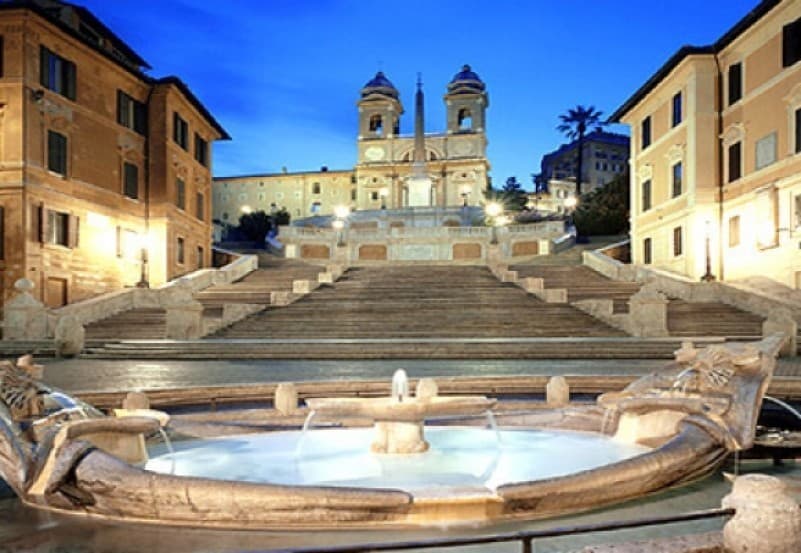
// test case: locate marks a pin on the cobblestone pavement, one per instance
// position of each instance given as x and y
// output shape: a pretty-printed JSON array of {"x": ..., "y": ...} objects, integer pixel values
[{"x": 107, "y": 375}]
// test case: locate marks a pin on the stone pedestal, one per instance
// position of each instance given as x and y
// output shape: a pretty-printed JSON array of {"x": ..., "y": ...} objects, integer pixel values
[
  {"x": 782, "y": 321},
  {"x": 648, "y": 313},
  {"x": 286, "y": 398},
  {"x": 69, "y": 336},
  {"x": 768, "y": 519},
  {"x": 399, "y": 437},
  {"x": 557, "y": 392},
  {"x": 24, "y": 317},
  {"x": 184, "y": 314},
  {"x": 426, "y": 389}
]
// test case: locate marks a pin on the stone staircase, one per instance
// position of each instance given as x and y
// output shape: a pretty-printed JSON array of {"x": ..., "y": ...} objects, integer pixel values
[
  {"x": 135, "y": 324},
  {"x": 685, "y": 319}
]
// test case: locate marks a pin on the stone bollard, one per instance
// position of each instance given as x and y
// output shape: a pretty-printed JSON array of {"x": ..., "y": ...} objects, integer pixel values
[
  {"x": 69, "y": 336},
  {"x": 782, "y": 321},
  {"x": 184, "y": 314},
  {"x": 648, "y": 313},
  {"x": 768, "y": 519},
  {"x": 426, "y": 388},
  {"x": 135, "y": 400},
  {"x": 557, "y": 392},
  {"x": 285, "y": 400},
  {"x": 24, "y": 317}
]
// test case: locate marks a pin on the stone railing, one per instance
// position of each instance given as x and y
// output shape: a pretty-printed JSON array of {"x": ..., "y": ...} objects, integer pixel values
[{"x": 26, "y": 318}]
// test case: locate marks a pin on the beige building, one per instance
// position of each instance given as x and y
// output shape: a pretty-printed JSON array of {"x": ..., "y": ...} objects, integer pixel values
[
  {"x": 102, "y": 168},
  {"x": 455, "y": 162},
  {"x": 716, "y": 154}
]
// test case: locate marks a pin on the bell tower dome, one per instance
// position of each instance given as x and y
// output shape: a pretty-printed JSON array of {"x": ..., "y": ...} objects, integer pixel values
[
  {"x": 379, "y": 109},
  {"x": 466, "y": 102}
]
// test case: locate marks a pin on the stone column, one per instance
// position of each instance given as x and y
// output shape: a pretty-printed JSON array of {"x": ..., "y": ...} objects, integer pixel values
[
  {"x": 69, "y": 336},
  {"x": 557, "y": 392},
  {"x": 783, "y": 322},
  {"x": 648, "y": 313},
  {"x": 768, "y": 519},
  {"x": 286, "y": 398},
  {"x": 184, "y": 313},
  {"x": 24, "y": 317}
]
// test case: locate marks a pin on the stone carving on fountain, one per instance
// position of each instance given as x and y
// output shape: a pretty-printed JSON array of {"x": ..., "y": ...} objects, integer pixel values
[{"x": 59, "y": 453}]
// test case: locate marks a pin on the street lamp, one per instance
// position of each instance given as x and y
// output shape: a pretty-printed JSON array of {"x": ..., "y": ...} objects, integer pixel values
[
  {"x": 494, "y": 212},
  {"x": 339, "y": 225},
  {"x": 143, "y": 282},
  {"x": 465, "y": 191},
  {"x": 570, "y": 204},
  {"x": 708, "y": 276}
]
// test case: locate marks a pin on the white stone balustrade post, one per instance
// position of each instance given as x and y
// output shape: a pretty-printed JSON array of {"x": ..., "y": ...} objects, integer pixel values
[
  {"x": 184, "y": 313},
  {"x": 24, "y": 317},
  {"x": 648, "y": 313}
]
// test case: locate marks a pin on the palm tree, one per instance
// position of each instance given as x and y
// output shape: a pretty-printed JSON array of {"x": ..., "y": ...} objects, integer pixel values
[{"x": 574, "y": 125}]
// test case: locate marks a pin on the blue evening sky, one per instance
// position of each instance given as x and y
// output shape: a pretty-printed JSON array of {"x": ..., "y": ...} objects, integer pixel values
[{"x": 283, "y": 76}]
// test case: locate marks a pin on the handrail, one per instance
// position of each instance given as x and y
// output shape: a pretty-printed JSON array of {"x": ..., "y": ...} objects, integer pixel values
[{"x": 525, "y": 537}]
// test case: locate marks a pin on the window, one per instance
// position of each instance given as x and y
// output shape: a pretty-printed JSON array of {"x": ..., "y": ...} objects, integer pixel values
[
  {"x": 646, "y": 251},
  {"x": 374, "y": 196},
  {"x": 376, "y": 125},
  {"x": 316, "y": 188},
  {"x": 676, "y": 116},
  {"x": 201, "y": 151},
  {"x": 180, "y": 193},
  {"x": 200, "y": 257},
  {"x": 646, "y": 195},
  {"x": 2, "y": 232},
  {"x": 791, "y": 43},
  {"x": 734, "y": 231},
  {"x": 180, "y": 131},
  {"x": 56, "y": 73},
  {"x": 58, "y": 228},
  {"x": 677, "y": 177},
  {"x": 128, "y": 246},
  {"x": 199, "y": 206},
  {"x": 735, "y": 82},
  {"x": 465, "y": 119},
  {"x": 735, "y": 161},
  {"x": 57, "y": 152},
  {"x": 131, "y": 113},
  {"x": 646, "y": 132},
  {"x": 130, "y": 180},
  {"x": 677, "y": 246},
  {"x": 179, "y": 251},
  {"x": 798, "y": 130}
]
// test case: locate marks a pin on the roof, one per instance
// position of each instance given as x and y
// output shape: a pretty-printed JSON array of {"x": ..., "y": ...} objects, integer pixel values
[
  {"x": 712, "y": 49},
  {"x": 595, "y": 136},
  {"x": 466, "y": 79},
  {"x": 197, "y": 104},
  {"x": 381, "y": 85},
  {"x": 282, "y": 174}
]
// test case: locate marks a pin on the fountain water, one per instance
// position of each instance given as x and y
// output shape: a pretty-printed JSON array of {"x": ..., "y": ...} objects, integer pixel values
[{"x": 400, "y": 385}]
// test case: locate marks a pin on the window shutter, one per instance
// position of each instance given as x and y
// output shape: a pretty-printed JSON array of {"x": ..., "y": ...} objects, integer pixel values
[
  {"x": 69, "y": 79},
  {"x": 73, "y": 226},
  {"x": 37, "y": 223},
  {"x": 43, "y": 67},
  {"x": 140, "y": 118},
  {"x": 791, "y": 43},
  {"x": 120, "y": 108},
  {"x": 45, "y": 225}
]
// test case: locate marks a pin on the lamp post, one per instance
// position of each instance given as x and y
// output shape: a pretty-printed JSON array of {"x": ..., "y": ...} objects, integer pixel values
[
  {"x": 708, "y": 276},
  {"x": 570, "y": 204},
  {"x": 465, "y": 192},
  {"x": 383, "y": 193},
  {"x": 143, "y": 282},
  {"x": 493, "y": 211},
  {"x": 341, "y": 212}
]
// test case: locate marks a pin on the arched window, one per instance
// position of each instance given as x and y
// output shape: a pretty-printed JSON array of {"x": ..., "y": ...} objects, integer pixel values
[
  {"x": 396, "y": 127},
  {"x": 376, "y": 124},
  {"x": 465, "y": 119},
  {"x": 316, "y": 188},
  {"x": 432, "y": 156}
]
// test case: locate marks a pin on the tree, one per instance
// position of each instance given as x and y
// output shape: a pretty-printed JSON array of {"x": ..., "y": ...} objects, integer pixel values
[
  {"x": 514, "y": 197},
  {"x": 605, "y": 210},
  {"x": 574, "y": 125},
  {"x": 255, "y": 225}
]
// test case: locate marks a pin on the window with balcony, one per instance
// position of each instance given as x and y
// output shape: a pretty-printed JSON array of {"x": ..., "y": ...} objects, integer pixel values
[
  {"x": 130, "y": 180},
  {"x": 645, "y": 129},
  {"x": 735, "y": 161},
  {"x": 131, "y": 113},
  {"x": 676, "y": 180},
  {"x": 56, "y": 73},
  {"x": 676, "y": 112},
  {"x": 57, "y": 152},
  {"x": 735, "y": 76},
  {"x": 180, "y": 131}
]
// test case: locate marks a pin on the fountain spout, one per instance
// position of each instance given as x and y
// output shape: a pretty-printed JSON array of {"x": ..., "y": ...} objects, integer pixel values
[{"x": 400, "y": 385}]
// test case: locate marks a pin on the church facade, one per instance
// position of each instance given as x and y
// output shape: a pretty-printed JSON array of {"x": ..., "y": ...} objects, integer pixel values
[{"x": 392, "y": 170}]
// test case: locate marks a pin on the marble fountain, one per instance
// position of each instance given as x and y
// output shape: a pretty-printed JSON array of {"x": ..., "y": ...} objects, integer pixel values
[{"x": 420, "y": 463}]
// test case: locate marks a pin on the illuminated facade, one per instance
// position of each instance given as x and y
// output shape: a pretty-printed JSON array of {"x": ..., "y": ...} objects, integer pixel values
[
  {"x": 454, "y": 162},
  {"x": 101, "y": 166},
  {"x": 716, "y": 154}
]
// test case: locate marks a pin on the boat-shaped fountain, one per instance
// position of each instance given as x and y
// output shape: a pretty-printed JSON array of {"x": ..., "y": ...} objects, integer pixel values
[{"x": 663, "y": 430}]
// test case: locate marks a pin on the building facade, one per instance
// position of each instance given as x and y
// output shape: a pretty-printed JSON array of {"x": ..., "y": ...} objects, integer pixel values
[
  {"x": 105, "y": 172},
  {"x": 454, "y": 162},
  {"x": 716, "y": 154},
  {"x": 605, "y": 157}
]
